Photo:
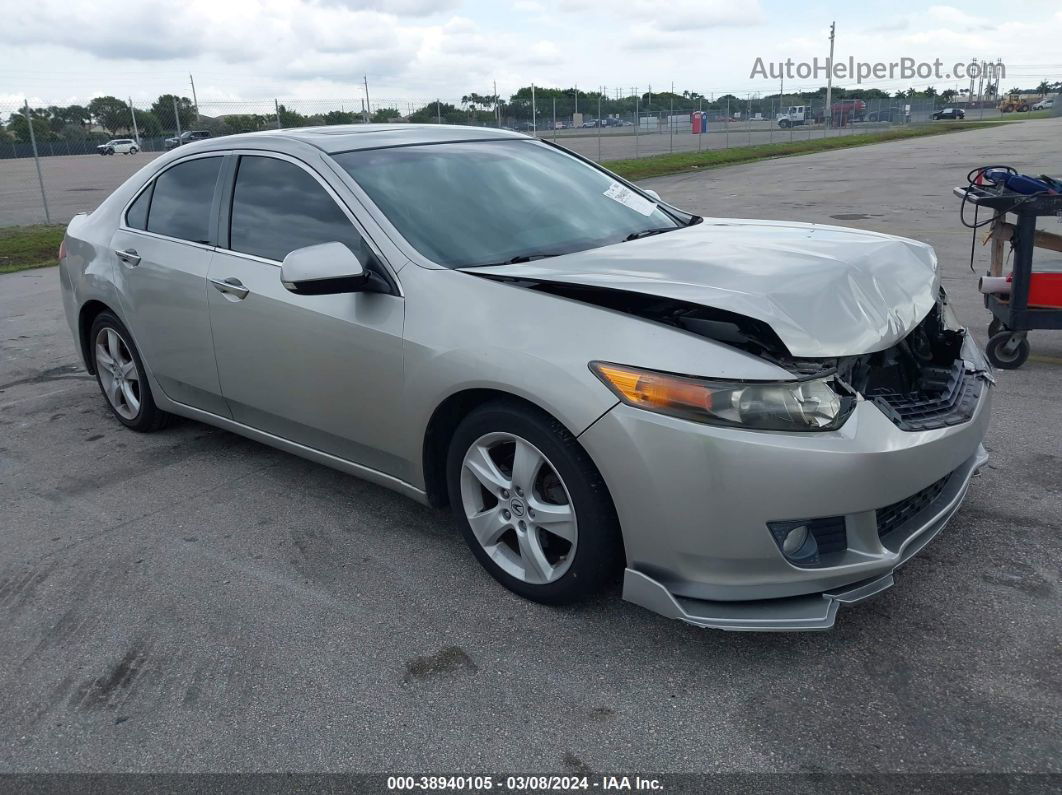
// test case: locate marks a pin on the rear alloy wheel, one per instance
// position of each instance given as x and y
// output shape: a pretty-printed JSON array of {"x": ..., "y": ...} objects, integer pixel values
[
  {"x": 120, "y": 374},
  {"x": 531, "y": 504}
]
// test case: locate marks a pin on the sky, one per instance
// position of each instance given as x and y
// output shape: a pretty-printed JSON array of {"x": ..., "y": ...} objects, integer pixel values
[{"x": 67, "y": 51}]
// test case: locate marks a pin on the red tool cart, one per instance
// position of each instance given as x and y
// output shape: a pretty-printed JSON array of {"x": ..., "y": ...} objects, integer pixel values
[{"x": 1024, "y": 300}]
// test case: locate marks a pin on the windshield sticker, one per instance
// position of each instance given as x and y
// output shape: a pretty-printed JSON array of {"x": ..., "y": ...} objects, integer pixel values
[{"x": 629, "y": 198}]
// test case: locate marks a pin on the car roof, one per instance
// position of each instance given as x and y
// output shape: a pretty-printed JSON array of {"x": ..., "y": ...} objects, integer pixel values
[{"x": 348, "y": 137}]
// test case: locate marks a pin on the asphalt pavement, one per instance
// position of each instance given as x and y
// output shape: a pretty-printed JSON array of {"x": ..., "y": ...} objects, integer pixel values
[{"x": 192, "y": 601}]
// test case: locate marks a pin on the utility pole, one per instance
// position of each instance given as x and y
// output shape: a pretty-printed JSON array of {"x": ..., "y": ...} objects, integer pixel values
[
  {"x": 37, "y": 162},
  {"x": 576, "y": 98},
  {"x": 195, "y": 101},
  {"x": 177, "y": 119},
  {"x": 599, "y": 90},
  {"x": 438, "y": 112},
  {"x": 497, "y": 105},
  {"x": 534, "y": 112},
  {"x": 829, "y": 80},
  {"x": 981, "y": 91},
  {"x": 276, "y": 106},
  {"x": 368, "y": 106},
  {"x": 132, "y": 114}
]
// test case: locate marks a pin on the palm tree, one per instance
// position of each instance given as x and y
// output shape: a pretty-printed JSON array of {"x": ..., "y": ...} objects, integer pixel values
[
  {"x": 930, "y": 91},
  {"x": 1043, "y": 88}
]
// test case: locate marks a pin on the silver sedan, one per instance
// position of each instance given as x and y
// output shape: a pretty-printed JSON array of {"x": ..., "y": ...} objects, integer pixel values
[{"x": 751, "y": 422}]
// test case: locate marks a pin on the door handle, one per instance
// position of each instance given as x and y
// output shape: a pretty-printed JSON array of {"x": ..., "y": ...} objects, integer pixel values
[
  {"x": 231, "y": 286},
  {"x": 128, "y": 256}
]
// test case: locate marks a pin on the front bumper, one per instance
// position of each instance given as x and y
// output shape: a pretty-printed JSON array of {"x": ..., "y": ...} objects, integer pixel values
[
  {"x": 812, "y": 611},
  {"x": 694, "y": 502}
]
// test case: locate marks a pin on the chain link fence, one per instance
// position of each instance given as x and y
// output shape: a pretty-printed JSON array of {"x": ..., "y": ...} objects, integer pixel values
[{"x": 604, "y": 125}]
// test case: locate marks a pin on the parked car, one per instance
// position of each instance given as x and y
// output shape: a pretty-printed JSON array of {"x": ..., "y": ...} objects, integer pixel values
[
  {"x": 756, "y": 422},
  {"x": 125, "y": 146},
  {"x": 1044, "y": 104},
  {"x": 949, "y": 113},
  {"x": 893, "y": 115},
  {"x": 186, "y": 137}
]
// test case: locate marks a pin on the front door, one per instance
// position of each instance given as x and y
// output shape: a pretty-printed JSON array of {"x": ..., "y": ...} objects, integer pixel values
[{"x": 324, "y": 371}]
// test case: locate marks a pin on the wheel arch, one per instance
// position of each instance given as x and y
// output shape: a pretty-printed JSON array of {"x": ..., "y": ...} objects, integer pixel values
[
  {"x": 90, "y": 310},
  {"x": 440, "y": 429}
]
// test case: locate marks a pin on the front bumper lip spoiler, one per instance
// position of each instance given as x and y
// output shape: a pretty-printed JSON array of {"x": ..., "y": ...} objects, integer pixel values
[{"x": 816, "y": 611}]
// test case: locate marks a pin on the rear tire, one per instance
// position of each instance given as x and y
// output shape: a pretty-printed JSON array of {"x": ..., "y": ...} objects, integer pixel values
[
  {"x": 546, "y": 528},
  {"x": 122, "y": 377}
]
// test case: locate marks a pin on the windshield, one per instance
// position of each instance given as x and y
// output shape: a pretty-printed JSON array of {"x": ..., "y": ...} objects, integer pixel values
[{"x": 492, "y": 202}]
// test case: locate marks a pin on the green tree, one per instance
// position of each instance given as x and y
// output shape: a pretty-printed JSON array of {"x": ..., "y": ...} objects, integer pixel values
[
  {"x": 383, "y": 115},
  {"x": 1044, "y": 88},
  {"x": 60, "y": 117},
  {"x": 433, "y": 111},
  {"x": 292, "y": 118},
  {"x": 342, "y": 117},
  {"x": 947, "y": 95},
  {"x": 163, "y": 110},
  {"x": 111, "y": 113},
  {"x": 930, "y": 91},
  {"x": 19, "y": 128},
  {"x": 147, "y": 123}
]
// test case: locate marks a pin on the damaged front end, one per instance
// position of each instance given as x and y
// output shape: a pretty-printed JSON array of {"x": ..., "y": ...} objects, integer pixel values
[
  {"x": 931, "y": 378},
  {"x": 924, "y": 381}
]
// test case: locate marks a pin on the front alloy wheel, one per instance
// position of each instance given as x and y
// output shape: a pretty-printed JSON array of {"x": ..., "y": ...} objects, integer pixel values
[
  {"x": 518, "y": 508},
  {"x": 531, "y": 505}
]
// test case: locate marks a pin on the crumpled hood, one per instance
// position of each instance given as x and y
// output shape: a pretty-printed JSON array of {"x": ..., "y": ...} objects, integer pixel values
[{"x": 825, "y": 290}]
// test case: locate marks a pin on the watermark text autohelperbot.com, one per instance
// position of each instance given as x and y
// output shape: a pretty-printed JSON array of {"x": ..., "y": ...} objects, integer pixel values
[{"x": 851, "y": 69}]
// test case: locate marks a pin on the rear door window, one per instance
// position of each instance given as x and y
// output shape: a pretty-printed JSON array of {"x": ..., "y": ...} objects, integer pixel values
[
  {"x": 278, "y": 207},
  {"x": 182, "y": 199}
]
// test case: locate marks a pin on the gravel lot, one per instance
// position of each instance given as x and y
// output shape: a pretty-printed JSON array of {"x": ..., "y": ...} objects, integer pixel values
[{"x": 191, "y": 601}]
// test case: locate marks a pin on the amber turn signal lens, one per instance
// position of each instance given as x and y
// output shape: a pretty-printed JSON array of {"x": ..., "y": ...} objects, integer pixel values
[{"x": 654, "y": 390}]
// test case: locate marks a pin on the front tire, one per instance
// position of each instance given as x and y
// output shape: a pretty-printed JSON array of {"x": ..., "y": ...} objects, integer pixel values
[
  {"x": 531, "y": 504},
  {"x": 121, "y": 376}
]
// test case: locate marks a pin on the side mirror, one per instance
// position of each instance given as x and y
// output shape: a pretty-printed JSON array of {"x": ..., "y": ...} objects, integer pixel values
[
  {"x": 652, "y": 194},
  {"x": 324, "y": 269}
]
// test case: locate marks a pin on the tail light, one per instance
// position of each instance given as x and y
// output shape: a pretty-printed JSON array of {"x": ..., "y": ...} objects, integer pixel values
[{"x": 62, "y": 250}]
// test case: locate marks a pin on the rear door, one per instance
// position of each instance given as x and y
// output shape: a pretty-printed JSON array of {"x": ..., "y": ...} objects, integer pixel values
[
  {"x": 321, "y": 370},
  {"x": 164, "y": 245}
]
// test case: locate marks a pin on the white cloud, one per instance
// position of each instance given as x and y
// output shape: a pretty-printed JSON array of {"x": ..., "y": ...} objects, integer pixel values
[
  {"x": 258, "y": 49},
  {"x": 673, "y": 15}
]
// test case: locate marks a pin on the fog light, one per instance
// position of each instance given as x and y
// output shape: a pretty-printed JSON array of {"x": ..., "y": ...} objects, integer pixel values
[
  {"x": 794, "y": 540},
  {"x": 803, "y": 541}
]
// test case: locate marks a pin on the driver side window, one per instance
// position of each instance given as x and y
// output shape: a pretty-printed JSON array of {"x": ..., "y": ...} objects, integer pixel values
[{"x": 278, "y": 207}]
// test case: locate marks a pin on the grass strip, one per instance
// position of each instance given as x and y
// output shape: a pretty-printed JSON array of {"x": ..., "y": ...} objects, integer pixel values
[
  {"x": 25, "y": 247},
  {"x": 682, "y": 162}
]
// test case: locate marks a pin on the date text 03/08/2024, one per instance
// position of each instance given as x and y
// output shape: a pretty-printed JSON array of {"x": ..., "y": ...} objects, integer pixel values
[{"x": 523, "y": 783}]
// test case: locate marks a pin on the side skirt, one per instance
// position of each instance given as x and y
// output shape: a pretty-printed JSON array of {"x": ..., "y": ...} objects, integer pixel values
[{"x": 317, "y": 456}]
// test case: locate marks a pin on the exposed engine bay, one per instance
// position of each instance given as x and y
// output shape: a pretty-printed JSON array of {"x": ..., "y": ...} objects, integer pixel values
[{"x": 921, "y": 382}]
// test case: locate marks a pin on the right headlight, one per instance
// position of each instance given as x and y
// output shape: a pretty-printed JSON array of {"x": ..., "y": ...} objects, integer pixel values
[{"x": 812, "y": 405}]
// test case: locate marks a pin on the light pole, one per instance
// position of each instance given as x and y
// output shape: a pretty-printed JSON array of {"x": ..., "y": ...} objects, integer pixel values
[{"x": 829, "y": 79}]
